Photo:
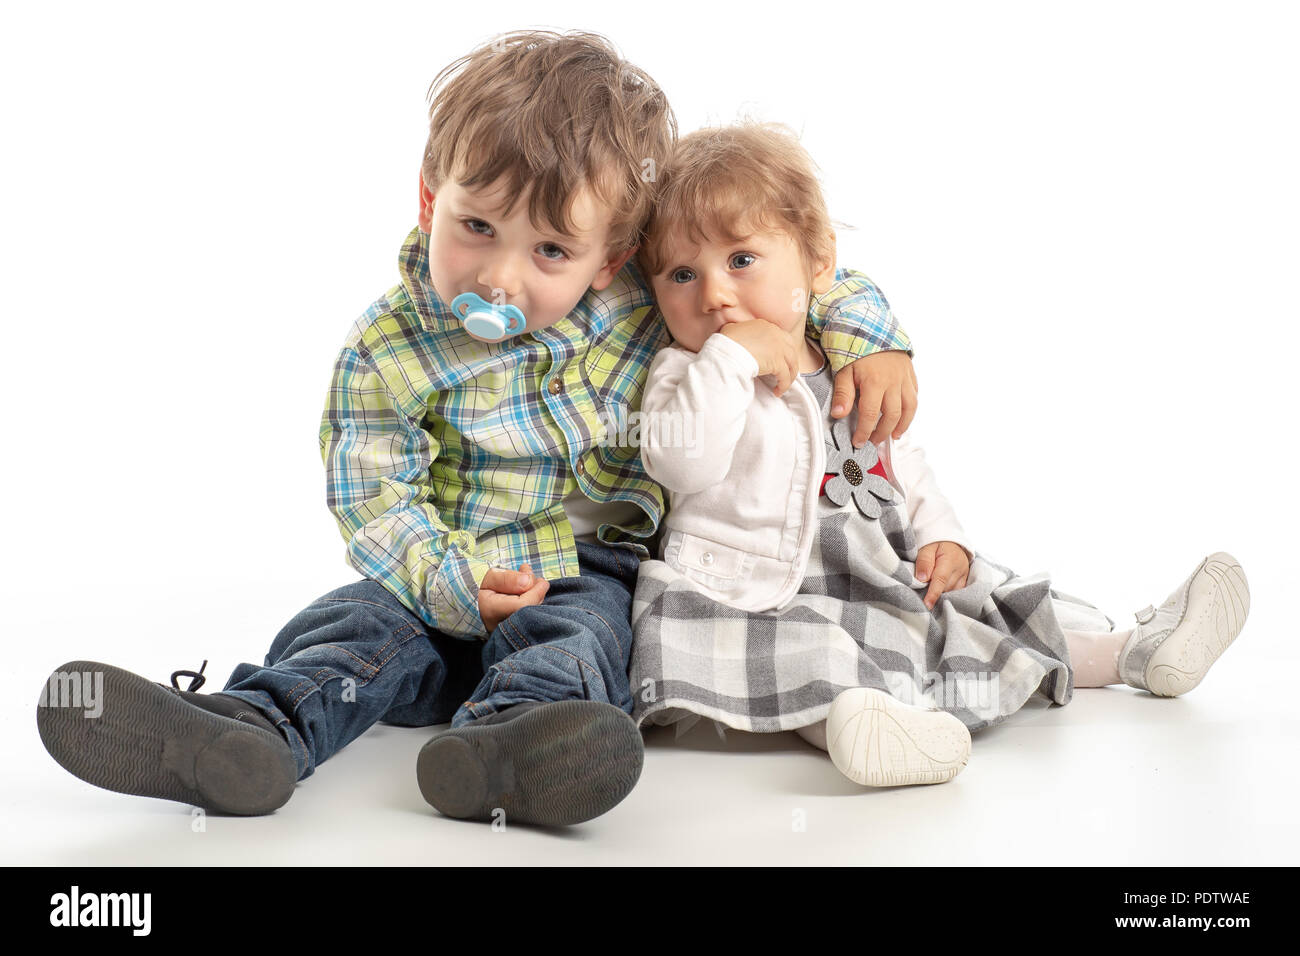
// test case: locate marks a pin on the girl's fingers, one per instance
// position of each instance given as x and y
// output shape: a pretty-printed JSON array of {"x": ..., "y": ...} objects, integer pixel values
[
  {"x": 938, "y": 584},
  {"x": 924, "y": 563}
]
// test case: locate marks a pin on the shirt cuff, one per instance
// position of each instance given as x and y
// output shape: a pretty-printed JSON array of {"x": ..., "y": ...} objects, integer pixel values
[{"x": 455, "y": 594}]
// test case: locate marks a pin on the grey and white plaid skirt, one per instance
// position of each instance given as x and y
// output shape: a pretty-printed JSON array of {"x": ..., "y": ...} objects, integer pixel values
[{"x": 859, "y": 620}]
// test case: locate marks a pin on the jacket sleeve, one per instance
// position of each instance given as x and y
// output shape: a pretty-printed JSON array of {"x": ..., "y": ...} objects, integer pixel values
[
  {"x": 377, "y": 462},
  {"x": 852, "y": 320},
  {"x": 932, "y": 517},
  {"x": 694, "y": 412}
]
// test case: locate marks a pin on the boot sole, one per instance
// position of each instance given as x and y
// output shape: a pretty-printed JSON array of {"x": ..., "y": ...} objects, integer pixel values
[
  {"x": 559, "y": 764},
  {"x": 150, "y": 743},
  {"x": 877, "y": 741},
  {"x": 1218, "y": 602}
]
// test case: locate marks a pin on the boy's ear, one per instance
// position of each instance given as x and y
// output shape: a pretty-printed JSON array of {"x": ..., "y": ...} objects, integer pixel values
[
  {"x": 824, "y": 277},
  {"x": 426, "y": 205},
  {"x": 610, "y": 269}
]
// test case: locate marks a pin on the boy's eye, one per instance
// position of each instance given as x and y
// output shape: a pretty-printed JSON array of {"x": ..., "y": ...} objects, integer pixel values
[
  {"x": 681, "y": 275},
  {"x": 742, "y": 259},
  {"x": 473, "y": 226},
  {"x": 550, "y": 250}
]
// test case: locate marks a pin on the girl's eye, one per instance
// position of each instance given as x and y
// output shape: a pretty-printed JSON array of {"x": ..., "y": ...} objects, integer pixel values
[
  {"x": 681, "y": 275},
  {"x": 473, "y": 224},
  {"x": 550, "y": 250},
  {"x": 742, "y": 259}
]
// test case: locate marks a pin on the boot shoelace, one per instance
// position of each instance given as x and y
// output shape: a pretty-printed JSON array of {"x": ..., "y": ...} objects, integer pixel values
[{"x": 197, "y": 679}]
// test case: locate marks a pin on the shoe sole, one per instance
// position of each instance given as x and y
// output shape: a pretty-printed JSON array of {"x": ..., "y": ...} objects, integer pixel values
[
  {"x": 556, "y": 765},
  {"x": 150, "y": 743},
  {"x": 877, "y": 741},
  {"x": 1218, "y": 602}
]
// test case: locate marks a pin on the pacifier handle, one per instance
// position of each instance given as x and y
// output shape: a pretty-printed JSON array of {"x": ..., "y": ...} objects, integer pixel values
[{"x": 485, "y": 319}]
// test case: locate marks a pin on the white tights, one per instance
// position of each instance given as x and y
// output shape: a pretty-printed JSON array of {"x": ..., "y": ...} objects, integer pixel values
[{"x": 1094, "y": 656}]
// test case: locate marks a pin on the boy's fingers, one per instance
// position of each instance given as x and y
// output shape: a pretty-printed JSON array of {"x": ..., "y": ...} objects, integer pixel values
[
  {"x": 845, "y": 390},
  {"x": 890, "y": 413},
  {"x": 909, "y": 412},
  {"x": 495, "y": 608},
  {"x": 505, "y": 581},
  {"x": 868, "y": 413},
  {"x": 535, "y": 594},
  {"x": 489, "y": 608}
]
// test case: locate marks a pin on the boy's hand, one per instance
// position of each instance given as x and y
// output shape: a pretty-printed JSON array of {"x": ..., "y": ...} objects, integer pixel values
[
  {"x": 884, "y": 384},
  {"x": 504, "y": 592},
  {"x": 771, "y": 348},
  {"x": 945, "y": 565}
]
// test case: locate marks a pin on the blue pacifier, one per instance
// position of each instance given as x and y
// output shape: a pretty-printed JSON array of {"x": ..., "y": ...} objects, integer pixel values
[{"x": 485, "y": 320}]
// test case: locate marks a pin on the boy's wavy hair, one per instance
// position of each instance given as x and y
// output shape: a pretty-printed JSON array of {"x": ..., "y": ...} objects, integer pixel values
[
  {"x": 724, "y": 182},
  {"x": 551, "y": 112}
]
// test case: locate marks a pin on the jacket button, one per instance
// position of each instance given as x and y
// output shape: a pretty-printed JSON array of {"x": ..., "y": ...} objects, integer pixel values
[
  {"x": 556, "y": 386},
  {"x": 707, "y": 557}
]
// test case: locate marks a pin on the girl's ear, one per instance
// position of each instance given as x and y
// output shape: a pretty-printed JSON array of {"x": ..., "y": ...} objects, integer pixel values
[
  {"x": 824, "y": 277},
  {"x": 610, "y": 269}
]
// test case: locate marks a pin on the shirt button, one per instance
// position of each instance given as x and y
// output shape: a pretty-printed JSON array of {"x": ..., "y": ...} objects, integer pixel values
[
  {"x": 579, "y": 467},
  {"x": 556, "y": 386},
  {"x": 707, "y": 557}
]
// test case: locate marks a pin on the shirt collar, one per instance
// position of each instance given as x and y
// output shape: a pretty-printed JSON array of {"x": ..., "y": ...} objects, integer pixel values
[{"x": 413, "y": 266}]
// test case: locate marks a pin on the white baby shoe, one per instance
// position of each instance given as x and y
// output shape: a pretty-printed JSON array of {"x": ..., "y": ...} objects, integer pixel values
[
  {"x": 1174, "y": 645},
  {"x": 879, "y": 741}
]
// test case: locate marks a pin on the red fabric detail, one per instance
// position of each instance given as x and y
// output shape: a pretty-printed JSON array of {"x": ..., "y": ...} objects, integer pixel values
[{"x": 877, "y": 469}]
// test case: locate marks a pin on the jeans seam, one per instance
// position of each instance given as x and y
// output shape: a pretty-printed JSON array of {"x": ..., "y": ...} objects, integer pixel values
[
  {"x": 302, "y": 690},
  {"x": 356, "y": 601},
  {"x": 373, "y": 666},
  {"x": 576, "y": 659},
  {"x": 507, "y": 629},
  {"x": 610, "y": 627},
  {"x": 600, "y": 617}
]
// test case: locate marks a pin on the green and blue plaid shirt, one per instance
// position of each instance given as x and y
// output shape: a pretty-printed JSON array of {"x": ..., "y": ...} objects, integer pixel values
[{"x": 445, "y": 456}]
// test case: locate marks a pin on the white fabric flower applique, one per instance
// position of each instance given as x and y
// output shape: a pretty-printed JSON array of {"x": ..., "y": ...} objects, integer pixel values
[{"x": 850, "y": 469}]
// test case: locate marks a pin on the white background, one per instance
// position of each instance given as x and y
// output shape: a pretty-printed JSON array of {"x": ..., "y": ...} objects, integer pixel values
[{"x": 1084, "y": 214}]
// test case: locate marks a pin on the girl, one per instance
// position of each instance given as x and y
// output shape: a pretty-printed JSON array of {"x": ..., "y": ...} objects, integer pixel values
[{"x": 808, "y": 585}]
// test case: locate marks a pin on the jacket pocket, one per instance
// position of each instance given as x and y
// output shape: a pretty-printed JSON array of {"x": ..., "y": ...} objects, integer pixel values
[{"x": 715, "y": 565}]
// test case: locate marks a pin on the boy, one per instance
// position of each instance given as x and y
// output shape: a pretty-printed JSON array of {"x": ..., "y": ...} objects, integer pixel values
[{"x": 453, "y": 458}]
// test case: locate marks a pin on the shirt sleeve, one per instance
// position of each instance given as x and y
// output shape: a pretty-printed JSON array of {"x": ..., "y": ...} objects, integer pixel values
[
  {"x": 852, "y": 320},
  {"x": 932, "y": 517},
  {"x": 377, "y": 487},
  {"x": 694, "y": 412}
]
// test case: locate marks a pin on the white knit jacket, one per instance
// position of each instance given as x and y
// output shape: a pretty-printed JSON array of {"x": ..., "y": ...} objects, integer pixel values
[{"x": 743, "y": 469}]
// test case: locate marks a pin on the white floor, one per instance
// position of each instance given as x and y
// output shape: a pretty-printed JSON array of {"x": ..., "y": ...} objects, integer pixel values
[{"x": 1117, "y": 777}]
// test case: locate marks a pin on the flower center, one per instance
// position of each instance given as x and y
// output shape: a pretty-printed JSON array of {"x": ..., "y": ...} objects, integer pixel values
[{"x": 852, "y": 473}]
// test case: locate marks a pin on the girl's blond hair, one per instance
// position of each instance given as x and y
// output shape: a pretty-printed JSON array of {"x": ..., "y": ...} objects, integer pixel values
[{"x": 724, "y": 182}]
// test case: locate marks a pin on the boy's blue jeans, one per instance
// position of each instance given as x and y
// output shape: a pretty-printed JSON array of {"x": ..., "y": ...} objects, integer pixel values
[{"x": 357, "y": 655}]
